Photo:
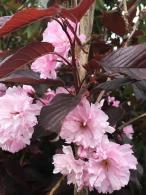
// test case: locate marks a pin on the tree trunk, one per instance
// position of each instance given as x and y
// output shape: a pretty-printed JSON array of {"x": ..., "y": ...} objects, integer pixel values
[{"x": 86, "y": 25}]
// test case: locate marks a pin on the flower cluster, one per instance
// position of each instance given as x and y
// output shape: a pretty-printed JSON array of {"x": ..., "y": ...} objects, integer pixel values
[
  {"x": 50, "y": 94},
  {"x": 128, "y": 131},
  {"x": 112, "y": 101},
  {"x": 54, "y": 34},
  {"x": 17, "y": 118},
  {"x": 98, "y": 163},
  {"x": 85, "y": 125}
]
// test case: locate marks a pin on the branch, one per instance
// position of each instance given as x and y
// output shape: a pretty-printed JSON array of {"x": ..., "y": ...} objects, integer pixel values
[
  {"x": 135, "y": 27},
  {"x": 55, "y": 188},
  {"x": 132, "y": 120},
  {"x": 125, "y": 15}
]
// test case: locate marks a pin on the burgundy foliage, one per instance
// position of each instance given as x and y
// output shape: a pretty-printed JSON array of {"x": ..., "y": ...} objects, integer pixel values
[{"x": 107, "y": 71}]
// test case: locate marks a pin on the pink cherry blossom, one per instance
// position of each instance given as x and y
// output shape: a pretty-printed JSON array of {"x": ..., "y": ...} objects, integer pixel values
[
  {"x": 85, "y": 125},
  {"x": 105, "y": 168},
  {"x": 46, "y": 66},
  {"x": 50, "y": 94},
  {"x": 61, "y": 90},
  {"x": 55, "y": 34},
  {"x": 17, "y": 119},
  {"x": 67, "y": 165},
  {"x": 109, "y": 170},
  {"x": 65, "y": 90},
  {"x": 113, "y": 101},
  {"x": 128, "y": 130},
  {"x": 28, "y": 89},
  {"x": 116, "y": 103}
]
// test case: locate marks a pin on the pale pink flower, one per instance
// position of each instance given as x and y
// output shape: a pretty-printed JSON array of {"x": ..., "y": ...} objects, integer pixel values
[
  {"x": 54, "y": 34},
  {"x": 85, "y": 153},
  {"x": 3, "y": 89},
  {"x": 113, "y": 101},
  {"x": 128, "y": 130},
  {"x": 109, "y": 170},
  {"x": 105, "y": 168},
  {"x": 17, "y": 119},
  {"x": 67, "y": 165},
  {"x": 46, "y": 66},
  {"x": 48, "y": 96},
  {"x": 63, "y": 90},
  {"x": 116, "y": 103},
  {"x": 85, "y": 125},
  {"x": 28, "y": 89}
]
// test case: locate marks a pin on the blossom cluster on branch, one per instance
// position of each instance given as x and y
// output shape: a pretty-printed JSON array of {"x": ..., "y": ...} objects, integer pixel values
[
  {"x": 90, "y": 158},
  {"x": 98, "y": 162}
]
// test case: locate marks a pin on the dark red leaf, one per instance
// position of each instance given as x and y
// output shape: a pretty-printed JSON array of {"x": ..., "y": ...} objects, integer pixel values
[
  {"x": 52, "y": 116},
  {"x": 29, "y": 77},
  {"x": 25, "y": 17},
  {"x": 92, "y": 65},
  {"x": 130, "y": 61},
  {"x": 4, "y": 54},
  {"x": 24, "y": 56},
  {"x": 79, "y": 11},
  {"x": 118, "y": 26},
  {"x": 99, "y": 46}
]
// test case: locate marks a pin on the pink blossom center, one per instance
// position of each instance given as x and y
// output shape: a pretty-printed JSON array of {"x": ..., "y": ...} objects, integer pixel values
[
  {"x": 15, "y": 113},
  {"x": 105, "y": 164},
  {"x": 83, "y": 124}
]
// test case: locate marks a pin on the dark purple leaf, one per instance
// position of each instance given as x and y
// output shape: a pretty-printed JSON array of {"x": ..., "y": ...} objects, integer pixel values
[
  {"x": 115, "y": 115},
  {"x": 114, "y": 84},
  {"x": 24, "y": 56},
  {"x": 130, "y": 61},
  {"x": 140, "y": 90},
  {"x": 29, "y": 77},
  {"x": 52, "y": 116}
]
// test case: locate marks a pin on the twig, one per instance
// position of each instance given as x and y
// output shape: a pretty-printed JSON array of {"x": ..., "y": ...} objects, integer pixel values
[
  {"x": 125, "y": 15},
  {"x": 133, "y": 7},
  {"x": 55, "y": 188},
  {"x": 101, "y": 93},
  {"x": 82, "y": 192},
  {"x": 75, "y": 3},
  {"x": 132, "y": 120},
  {"x": 64, "y": 59},
  {"x": 135, "y": 27},
  {"x": 100, "y": 96}
]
